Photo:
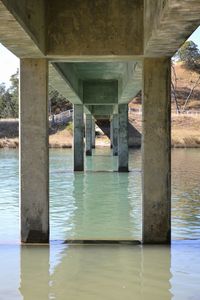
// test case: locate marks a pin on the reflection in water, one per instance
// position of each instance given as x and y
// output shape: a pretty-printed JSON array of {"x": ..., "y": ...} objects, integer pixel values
[
  {"x": 103, "y": 209},
  {"x": 95, "y": 272},
  {"x": 101, "y": 205},
  {"x": 122, "y": 200},
  {"x": 186, "y": 194},
  {"x": 95, "y": 204},
  {"x": 107, "y": 272},
  {"x": 34, "y": 283}
]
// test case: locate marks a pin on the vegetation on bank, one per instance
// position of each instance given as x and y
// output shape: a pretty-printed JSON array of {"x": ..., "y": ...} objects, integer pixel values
[{"x": 185, "y": 98}]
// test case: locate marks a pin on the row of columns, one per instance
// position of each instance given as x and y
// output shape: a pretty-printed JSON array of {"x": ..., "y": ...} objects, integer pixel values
[
  {"x": 34, "y": 157},
  {"x": 118, "y": 133}
]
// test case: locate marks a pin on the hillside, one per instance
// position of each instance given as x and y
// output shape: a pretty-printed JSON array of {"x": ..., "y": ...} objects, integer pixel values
[
  {"x": 185, "y": 127},
  {"x": 184, "y": 81}
]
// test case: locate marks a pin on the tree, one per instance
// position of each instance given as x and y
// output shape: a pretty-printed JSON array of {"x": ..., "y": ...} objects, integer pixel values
[
  {"x": 190, "y": 55},
  {"x": 9, "y": 104}
]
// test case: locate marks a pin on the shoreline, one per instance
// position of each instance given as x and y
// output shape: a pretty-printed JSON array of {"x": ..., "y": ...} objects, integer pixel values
[
  {"x": 13, "y": 143},
  {"x": 185, "y": 133}
]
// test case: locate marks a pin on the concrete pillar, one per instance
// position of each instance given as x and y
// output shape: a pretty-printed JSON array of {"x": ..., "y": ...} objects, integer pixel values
[
  {"x": 111, "y": 134},
  {"x": 93, "y": 134},
  {"x": 123, "y": 138},
  {"x": 78, "y": 141},
  {"x": 88, "y": 134},
  {"x": 115, "y": 131},
  {"x": 156, "y": 152},
  {"x": 34, "y": 152}
]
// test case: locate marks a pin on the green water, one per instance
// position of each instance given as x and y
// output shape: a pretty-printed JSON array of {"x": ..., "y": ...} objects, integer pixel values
[{"x": 101, "y": 204}]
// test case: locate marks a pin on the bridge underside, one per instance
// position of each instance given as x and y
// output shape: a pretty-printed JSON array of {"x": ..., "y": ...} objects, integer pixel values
[{"x": 99, "y": 55}]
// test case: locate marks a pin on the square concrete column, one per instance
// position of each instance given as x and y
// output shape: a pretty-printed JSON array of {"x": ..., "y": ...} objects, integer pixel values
[
  {"x": 93, "y": 133},
  {"x": 34, "y": 152},
  {"x": 88, "y": 134},
  {"x": 156, "y": 151},
  {"x": 111, "y": 134},
  {"x": 78, "y": 141},
  {"x": 123, "y": 138},
  {"x": 115, "y": 131}
]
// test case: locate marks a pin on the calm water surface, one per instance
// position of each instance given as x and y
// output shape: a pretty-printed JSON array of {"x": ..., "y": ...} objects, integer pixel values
[{"x": 99, "y": 204}]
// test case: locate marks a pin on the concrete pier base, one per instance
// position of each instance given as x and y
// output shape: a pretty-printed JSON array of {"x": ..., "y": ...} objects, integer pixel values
[
  {"x": 93, "y": 134},
  {"x": 156, "y": 152},
  {"x": 88, "y": 134},
  {"x": 78, "y": 141},
  {"x": 115, "y": 130},
  {"x": 123, "y": 138},
  {"x": 34, "y": 152}
]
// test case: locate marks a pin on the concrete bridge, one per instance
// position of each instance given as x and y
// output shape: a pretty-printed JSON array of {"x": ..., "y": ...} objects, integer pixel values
[{"x": 99, "y": 54}]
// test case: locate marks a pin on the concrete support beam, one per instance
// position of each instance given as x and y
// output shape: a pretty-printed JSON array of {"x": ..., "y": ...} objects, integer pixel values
[
  {"x": 93, "y": 133},
  {"x": 156, "y": 152},
  {"x": 88, "y": 134},
  {"x": 78, "y": 142},
  {"x": 111, "y": 133},
  {"x": 115, "y": 131},
  {"x": 34, "y": 151},
  {"x": 123, "y": 138},
  {"x": 162, "y": 22},
  {"x": 100, "y": 92}
]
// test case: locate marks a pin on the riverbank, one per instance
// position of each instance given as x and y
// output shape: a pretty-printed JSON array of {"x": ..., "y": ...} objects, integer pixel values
[{"x": 185, "y": 133}]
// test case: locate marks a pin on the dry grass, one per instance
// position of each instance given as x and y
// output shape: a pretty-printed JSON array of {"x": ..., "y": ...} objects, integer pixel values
[
  {"x": 61, "y": 139},
  {"x": 186, "y": 131}
]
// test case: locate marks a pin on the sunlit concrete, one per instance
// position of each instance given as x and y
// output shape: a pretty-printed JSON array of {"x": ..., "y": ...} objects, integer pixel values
[
  {"x": 156, "y": 152},
  {"x": 34, "y": 152}
]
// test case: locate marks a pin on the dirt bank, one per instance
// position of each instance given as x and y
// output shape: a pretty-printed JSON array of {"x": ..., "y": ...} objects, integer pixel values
[{"x": 185, "y": 133}]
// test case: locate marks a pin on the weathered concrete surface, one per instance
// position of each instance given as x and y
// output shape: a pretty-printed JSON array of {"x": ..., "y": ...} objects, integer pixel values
[
  {"x": 34, "y": 170},
  {"x": 78, "y": 141},
  {"x": 85, "y": 30},
  {"x": 167, "y": 24},
  {"x": 85, "y": 27},
  {"x": 156, "y": 153},
  {"x": 123, "y": 138},
  {"x": 115, "y": 131},
  {"x": 88, "y": 134},
  {"x": 14, "y": 36},
  {"x": 31, "y": 15}
]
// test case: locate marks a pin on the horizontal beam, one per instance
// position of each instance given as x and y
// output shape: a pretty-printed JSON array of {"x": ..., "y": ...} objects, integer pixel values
[
  {"x": 100, "y": 92},
  {"x": 95, "y": 27},
  {"x": 167, "y": 24},
  {"x": 15, "y": 36},
  {"x": 59, "y": 80}
]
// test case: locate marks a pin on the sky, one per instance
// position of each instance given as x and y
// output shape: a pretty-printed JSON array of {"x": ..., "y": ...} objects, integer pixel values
[{"x": 9, "y": 62}]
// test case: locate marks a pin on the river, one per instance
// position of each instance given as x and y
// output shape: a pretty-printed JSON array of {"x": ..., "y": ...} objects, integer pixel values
[{"x": 101, "y": 204}]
